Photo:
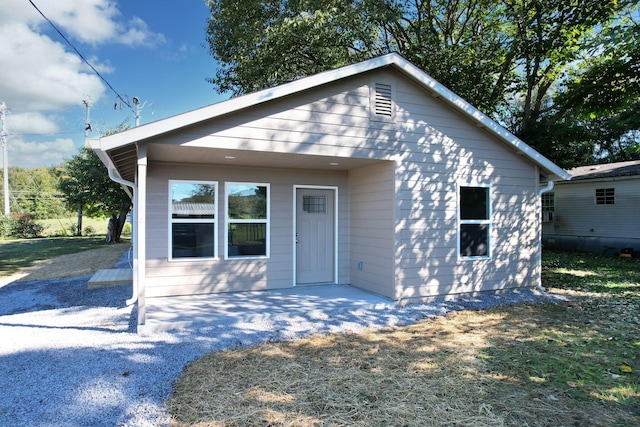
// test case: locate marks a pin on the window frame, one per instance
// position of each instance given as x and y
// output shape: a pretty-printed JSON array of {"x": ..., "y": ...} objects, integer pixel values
[
  {"x": 488, "y": 221},
  {"x": 608, "y": 196},
  {"x": 548, "y": 206},
  {"x": 228, "y": 221},
  {"x": 213, "y": 221}
]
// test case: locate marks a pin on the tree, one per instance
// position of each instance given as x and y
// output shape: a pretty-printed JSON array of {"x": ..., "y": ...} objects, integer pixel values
[
  {"x": 530, "y": 64},
  {"x": 34, "y": 191},
  {"x": 85, "y": 183}
]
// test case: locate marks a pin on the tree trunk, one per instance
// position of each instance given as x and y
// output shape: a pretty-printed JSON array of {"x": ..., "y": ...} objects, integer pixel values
[
  {"x": 79, "y": 230},
  {"x": 122, "y": 219}
]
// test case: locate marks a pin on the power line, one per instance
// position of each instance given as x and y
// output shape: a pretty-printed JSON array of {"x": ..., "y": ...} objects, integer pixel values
[{"x": 80, "y": 55}]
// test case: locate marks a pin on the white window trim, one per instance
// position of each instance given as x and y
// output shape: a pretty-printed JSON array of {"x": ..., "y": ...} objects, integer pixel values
[
  {"x": 213, "y": 221},
  {"x": 488, "y": 222},
  {"x": 266, "y": 221}
]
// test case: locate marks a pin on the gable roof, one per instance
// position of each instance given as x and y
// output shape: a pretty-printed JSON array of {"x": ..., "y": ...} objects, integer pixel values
[
  {"x": 121, "y": 143},
  {"x": 605, "y": 171}
]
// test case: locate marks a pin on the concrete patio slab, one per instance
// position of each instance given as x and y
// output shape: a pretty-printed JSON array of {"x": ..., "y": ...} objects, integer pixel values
[{"x": 166, "y": 313}]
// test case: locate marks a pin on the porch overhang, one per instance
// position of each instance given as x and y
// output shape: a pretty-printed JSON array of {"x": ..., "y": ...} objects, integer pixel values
[{"x": 124, "y": 159}]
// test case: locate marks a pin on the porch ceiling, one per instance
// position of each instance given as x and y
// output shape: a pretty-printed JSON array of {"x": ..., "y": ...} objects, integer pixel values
[{"x": 199, "y": 155}]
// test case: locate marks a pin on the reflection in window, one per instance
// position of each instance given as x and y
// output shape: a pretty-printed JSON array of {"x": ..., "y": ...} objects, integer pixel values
[
  {"x": 475, "y": 221},
  {"x": 247, "y": 219},
  {"x": 193, "y": 219}
]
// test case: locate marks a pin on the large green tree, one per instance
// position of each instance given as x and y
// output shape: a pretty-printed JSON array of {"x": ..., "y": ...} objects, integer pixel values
[
  {"x": 85, "y": 184},
  {"x": 538, "y": 67}
]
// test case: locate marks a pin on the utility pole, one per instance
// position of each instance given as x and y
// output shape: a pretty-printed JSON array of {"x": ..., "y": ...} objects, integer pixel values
[
  {"x": 87, "y": 122},
  {"x": 136, "y": 110},
  {"x": 5, "y": 157}
]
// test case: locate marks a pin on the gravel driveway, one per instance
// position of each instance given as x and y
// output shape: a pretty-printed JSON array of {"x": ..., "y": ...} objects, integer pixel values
[{"x": 70, "y": 356}]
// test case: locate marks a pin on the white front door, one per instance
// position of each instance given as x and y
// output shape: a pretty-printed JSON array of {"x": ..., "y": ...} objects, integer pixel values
[{"x": 315, "y": 236}]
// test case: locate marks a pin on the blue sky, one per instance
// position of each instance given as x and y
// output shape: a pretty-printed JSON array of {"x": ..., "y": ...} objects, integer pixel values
[{"x": 154, "y": 50}]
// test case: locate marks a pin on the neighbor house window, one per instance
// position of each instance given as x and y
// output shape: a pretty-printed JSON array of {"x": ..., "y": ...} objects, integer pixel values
[
  {"x": 247, "y": 220},
  {"x": 605, "y": 196},
  {"x": 474, "y": 221},
  {"x": 548, "y": 206},
  {"x": 193, "y": 219}
]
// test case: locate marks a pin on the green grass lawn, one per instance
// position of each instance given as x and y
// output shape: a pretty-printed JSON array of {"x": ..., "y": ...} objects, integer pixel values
[
  {"x": 62, "y": 227},
  {"x": 22, "y": 253}
]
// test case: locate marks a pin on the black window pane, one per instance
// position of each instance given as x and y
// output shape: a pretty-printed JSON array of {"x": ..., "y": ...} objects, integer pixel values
[
  {"x": 473, "y": 203},
  {"x": 192, "y": 240},
  {"x": 474, "y": 240},
  {"x": 247, "y": 239}
]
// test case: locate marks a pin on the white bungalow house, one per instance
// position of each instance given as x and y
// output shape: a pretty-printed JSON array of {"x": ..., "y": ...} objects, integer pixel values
[
  {"x": 373, "y": 175},
  {"x": 597, "y": 211}
]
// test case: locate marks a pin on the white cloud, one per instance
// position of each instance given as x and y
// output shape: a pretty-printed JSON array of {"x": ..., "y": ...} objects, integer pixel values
[
  {"x": 88, "y": 21},
  {"x": 32, "y": 123},
  {"x": 28, "y": 154},
  {"x": 39, "y": 74},
  {"x": 41, "y": 77},
  {"x": 138, "y": 34}
]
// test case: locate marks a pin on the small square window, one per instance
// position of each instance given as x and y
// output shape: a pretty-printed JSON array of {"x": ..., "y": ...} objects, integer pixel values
[
  {"x": 605, "y": 196},
  {"x": 314, "y": 204}
]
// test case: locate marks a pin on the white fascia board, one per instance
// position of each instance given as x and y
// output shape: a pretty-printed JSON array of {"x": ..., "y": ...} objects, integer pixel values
[{"x": 96, "y": 146}]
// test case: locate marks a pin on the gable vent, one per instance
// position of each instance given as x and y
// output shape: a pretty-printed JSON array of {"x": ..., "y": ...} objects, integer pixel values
[{"x": 383, "y": 100}]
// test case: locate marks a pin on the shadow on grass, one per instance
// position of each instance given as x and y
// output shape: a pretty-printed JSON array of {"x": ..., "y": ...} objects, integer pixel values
[
  {"x": 581, "y": 271},
  {"x": 18, "y": 254}
]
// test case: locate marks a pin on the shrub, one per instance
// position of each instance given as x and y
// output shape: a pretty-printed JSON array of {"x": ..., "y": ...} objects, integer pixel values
[
  {"x": 24, "y": 226},
  {"x": 6, "y": 226}
]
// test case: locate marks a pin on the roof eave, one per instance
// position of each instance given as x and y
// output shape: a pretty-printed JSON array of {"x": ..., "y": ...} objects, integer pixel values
[{"x": 174, "y": 123}]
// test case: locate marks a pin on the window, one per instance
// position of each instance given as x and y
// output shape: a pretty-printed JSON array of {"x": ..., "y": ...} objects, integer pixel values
[
  {"x": 314, "y": 204},
  {"x": 548, "y": 206},
  {"x": 605, "y": 196},
  {"x": 474, "y": 222},
  {"x": 193, "y": 219},
  {"x": 247, "y": 218}
]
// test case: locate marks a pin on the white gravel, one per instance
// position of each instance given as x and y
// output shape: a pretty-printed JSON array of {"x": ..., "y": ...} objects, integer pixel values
[{"x": 70, "y": 356}]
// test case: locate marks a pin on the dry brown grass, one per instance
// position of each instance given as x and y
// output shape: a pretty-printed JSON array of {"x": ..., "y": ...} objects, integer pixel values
[
  {"x": 452, "y": 371},
  {"x": 74, "y": 265}
]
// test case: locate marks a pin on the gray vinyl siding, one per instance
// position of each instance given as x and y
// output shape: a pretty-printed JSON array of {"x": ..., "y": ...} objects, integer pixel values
[
  {"x": 183, "y": 277},
  {"x": 578, "y": 216},
  {"x": 372, "y": 228},
  {"x": 399, "y": 218},
  {"x": 441, "y": 151}
]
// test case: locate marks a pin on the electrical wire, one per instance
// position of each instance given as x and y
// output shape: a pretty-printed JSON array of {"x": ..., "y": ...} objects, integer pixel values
[{"x": 80, "y": 55}]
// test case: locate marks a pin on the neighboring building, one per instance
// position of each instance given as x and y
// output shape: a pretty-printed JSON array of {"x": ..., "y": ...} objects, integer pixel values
[
  {"x": 597, "y": 211},
  {"x": 373, "y": 175}
]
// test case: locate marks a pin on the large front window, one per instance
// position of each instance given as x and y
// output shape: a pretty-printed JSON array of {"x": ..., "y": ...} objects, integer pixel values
[
  {"x": 474, "y": 221},
  {"x": 247, "y": 220},
  {"x": 193, "y": 219}
]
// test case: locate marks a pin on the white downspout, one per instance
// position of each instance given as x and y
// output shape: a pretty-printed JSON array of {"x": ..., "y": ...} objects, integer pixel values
[
  {"x": 134, "y": 231},
  {"x": 546, "y": 189}
]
